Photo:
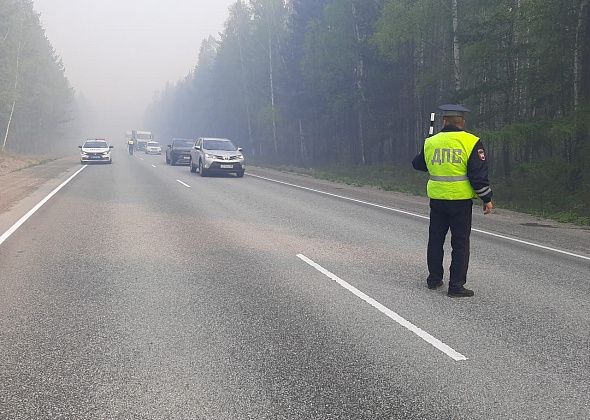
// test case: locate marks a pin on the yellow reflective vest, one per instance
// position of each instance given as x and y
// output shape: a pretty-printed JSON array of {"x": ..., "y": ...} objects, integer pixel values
[{"x": 446, "y": 155}]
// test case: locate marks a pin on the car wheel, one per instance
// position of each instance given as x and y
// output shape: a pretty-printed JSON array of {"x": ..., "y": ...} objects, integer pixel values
[
  {"x": 192, "y": 167},
  {"x": 202, "y": 170},
  {"x": 240, "y": 174}
]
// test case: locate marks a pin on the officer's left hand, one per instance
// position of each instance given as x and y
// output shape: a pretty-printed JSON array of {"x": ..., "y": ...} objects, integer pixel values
[{"x": 488, "y": 207}]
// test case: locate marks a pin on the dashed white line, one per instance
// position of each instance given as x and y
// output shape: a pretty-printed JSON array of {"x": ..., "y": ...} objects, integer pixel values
[
  {"x": 180, "y": 182},
  {"x": 27, "y": 216},
  {"x": 453, "y": 354},
  {"x": 154, "y": 166},
  {"x": 367, "y": 203}
]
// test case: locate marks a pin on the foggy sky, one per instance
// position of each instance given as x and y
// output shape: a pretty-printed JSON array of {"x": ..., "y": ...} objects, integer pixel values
[{"x": 117, "y": 53}]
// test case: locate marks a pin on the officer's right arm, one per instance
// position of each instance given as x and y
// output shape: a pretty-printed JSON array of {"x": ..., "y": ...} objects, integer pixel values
[{"x": 419, "y": 163}]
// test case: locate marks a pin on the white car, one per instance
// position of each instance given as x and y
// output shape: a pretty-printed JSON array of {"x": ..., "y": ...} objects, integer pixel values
[
  {"x": 153, "y": 148},
  {"x": 95, "y": 150}
]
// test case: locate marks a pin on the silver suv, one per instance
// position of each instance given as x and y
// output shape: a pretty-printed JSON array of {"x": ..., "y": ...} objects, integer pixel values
[{"x": 216, "y": 155}]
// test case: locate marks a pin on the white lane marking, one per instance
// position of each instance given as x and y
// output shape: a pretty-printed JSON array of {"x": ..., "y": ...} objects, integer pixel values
[
  {"x": 180, "y": 182},
  {"x": 520, "y": 241},
  {"x": 342, "y": 197},
  {"x": 367, "y": 203},
  {"x": 453, "y": 354},
  {"x": 140, "y": 158},
  {"x": 154, "y": 166},
  {"x": 26, "y": 217}
]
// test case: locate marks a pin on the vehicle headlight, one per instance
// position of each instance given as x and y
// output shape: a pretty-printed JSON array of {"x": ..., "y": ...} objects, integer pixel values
[
  {"x": 105, "y": 153},
  {"x": 240, "y": 157},
  {"x": 208, "y": 156}
]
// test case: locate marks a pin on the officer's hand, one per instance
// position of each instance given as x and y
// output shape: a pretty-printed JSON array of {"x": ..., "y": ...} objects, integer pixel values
[{"x": 488, "y": 207}]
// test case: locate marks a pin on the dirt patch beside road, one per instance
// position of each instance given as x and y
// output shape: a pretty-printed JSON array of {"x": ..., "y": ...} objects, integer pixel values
[
  {"x": 20, "y": 177},
  {"x": 12, "y": 163}
]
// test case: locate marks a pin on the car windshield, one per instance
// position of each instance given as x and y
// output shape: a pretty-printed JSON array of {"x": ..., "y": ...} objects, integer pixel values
[
  {"x": 95, "y": 145},
  {"x": 184, "y": 143},
  {"x": 144, "y": 136},
  {"x": 224, "y": 145},
  {"x": 153, "y": 144}
]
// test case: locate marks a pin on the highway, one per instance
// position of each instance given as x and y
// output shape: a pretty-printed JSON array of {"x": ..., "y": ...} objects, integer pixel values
[{"x": 139, "y": 290}]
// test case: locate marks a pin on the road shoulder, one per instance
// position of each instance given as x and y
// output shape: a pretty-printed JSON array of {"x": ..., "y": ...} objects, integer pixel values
[
  {"x": 21, "y": 190},
  {"x": 503, "y": 222}
]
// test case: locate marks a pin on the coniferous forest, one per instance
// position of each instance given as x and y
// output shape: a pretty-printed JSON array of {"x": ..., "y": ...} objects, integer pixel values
[
  {"x": 318, "y": 83},
  {"x": 351, "y": 84},
  {"x": 36, "y": 100}
]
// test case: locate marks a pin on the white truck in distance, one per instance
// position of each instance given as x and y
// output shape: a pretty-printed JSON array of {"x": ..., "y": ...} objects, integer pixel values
[{"x": 141, "y": 139}]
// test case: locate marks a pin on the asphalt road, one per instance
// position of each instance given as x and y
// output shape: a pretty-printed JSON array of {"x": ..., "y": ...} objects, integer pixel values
[{"x": 130, "y": 294}]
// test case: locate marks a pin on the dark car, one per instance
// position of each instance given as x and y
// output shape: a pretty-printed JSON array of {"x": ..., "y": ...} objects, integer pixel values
[{"x": 179, "y": 152}]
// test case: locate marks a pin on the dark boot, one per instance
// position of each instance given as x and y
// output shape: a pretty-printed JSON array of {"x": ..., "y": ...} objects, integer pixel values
[
  {"x": 462, "y": 292},
  {"x": 436, "y": 285}
]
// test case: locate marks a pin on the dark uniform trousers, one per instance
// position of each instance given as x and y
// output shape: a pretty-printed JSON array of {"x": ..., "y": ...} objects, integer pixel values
[{"x": 456, "y": 215}]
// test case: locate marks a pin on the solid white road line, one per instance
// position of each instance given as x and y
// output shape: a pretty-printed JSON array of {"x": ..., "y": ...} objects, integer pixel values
[
  {"x": 520, "y": 241},
  {"x": 453, "y": 354},
  {"x": 367, "y": 203},
  {"x": 154, "y": 166},
  {"x": 180, "y": 182},
  {"x": 26, "y": 217}
]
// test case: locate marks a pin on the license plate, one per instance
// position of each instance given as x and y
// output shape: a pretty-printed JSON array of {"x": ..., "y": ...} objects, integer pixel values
[
  {"x": 226, "y": 166},
  {"x": 94, "y": 157},
  {"x": 186, "y": 157}
]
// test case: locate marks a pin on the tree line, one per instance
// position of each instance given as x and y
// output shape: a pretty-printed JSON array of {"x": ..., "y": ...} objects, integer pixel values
[
  {"x": 353, "y": 82},
  {"x": 36, "y": 100}
]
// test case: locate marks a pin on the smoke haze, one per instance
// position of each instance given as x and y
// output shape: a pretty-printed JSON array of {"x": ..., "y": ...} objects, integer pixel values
[{"x": 118, "y": 53}]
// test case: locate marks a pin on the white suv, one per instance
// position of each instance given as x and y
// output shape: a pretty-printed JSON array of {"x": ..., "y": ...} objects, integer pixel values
[{"x": 95, "y": 150}]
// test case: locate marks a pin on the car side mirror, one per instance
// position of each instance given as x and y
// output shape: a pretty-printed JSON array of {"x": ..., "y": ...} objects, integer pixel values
[
  {"x": 111, "y": 147},
  {"x": 240, "y": 149},
  {"x": 79, "y": 147},
  {"x": 169, "y": 145},
  {"x": 197, "y": 147}
]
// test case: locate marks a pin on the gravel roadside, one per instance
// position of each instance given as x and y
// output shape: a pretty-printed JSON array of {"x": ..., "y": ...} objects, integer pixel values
[
  {"x": 22, "y": 176},
  {"x": 12, "y": 163}
]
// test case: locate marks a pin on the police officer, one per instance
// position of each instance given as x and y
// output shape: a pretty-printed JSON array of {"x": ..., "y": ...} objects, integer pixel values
[{"x": 456, "y": 162}]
